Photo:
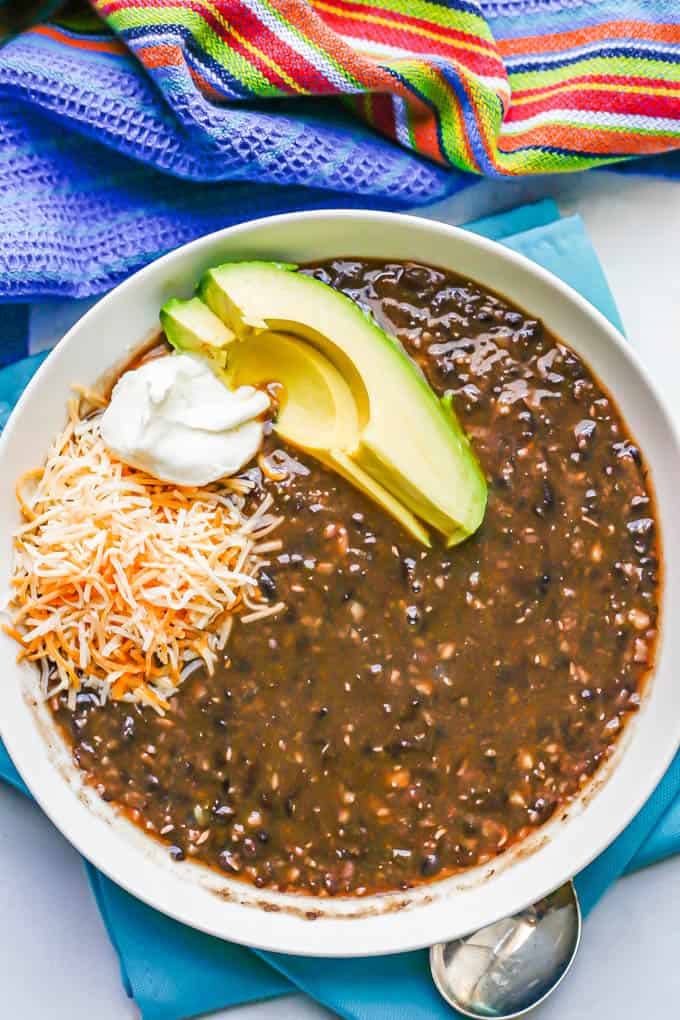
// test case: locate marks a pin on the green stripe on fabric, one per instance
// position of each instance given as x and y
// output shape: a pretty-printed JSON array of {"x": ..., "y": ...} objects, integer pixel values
[
  {"x": 624, "y": 67},
  {"x": 435, "y": 14},
  {"x": 216, "y": 47},
  {"x": 326, "y": 56},
  {"x": 536, "y": 159},
  {"x": 428, "y": 86}
]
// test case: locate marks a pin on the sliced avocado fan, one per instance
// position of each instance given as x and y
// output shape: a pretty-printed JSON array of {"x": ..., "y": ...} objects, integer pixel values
[{"x": 352, "y": 396}]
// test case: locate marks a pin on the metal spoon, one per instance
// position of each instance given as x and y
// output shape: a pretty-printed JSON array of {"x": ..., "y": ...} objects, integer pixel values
[{"x": 507, "y": 968}]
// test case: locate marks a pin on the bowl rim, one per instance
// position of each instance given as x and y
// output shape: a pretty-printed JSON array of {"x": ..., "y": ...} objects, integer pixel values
[{"x": 267, "y": 935}]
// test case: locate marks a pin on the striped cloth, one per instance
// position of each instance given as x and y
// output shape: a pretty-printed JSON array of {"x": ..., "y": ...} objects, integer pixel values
[
  {"x": 126, "y": 133},
  {"x": 520, "y": 86}
]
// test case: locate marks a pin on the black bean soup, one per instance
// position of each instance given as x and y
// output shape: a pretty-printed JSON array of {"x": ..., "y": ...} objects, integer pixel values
[{"x": 414, "y": 712}]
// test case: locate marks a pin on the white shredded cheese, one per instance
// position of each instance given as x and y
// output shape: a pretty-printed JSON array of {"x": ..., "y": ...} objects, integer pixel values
[{"x": 121, "y": 580}]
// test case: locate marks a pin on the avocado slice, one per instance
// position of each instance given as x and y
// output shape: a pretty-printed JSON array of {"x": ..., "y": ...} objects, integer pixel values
[
  {"x": 317, "y": 412},
  {"x": 410, "y": 443},
  {"x": 196, "y": 328}
]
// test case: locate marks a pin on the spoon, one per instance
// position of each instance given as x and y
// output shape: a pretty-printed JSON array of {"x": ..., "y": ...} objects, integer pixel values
[{"x": 510, "y": 966}]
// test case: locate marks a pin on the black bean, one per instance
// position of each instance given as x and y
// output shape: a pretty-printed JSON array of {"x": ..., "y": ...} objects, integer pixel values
[
  {"x": 128, "y": 727},
  {"x": 249, "y": 847},
  {"x": 319, "y": 273},
  {"x": 221, "y": 810},
  {"x": 429, "y": 865},
  {"x": 531, "y": 330},
  {"x": 176, "y": 853},
  {"x": 87, "y": 699},
  {"x": 330, "y": 884},
  {"x": 229, "y": 860},
  {"x": 627, "y": 451},
  {"x": 640, "y": 527},
  {"x": 408, "y": 566},
  {"x": 584, "y": 431},
  {"x": 267, "y": 585},
  {"x": 420, "y": 278},
  {"x": 541, "y": 809},
  {"x": 412, "y": 615},
  {"x": 514, "y": 318}
]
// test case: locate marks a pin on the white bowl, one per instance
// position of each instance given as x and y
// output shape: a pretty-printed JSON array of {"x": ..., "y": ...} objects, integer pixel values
[{"x": 398, "y": 921}]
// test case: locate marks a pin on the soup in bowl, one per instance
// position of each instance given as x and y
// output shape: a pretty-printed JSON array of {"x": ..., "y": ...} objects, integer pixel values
[{"x": 340, "y": 599}]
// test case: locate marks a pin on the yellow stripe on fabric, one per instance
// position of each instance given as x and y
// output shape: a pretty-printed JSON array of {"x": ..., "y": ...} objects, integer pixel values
[
  {"x": 452, "y": 138},
  {"x": 584, "y": 86},
  {"x": 310, "y": 41},
  {"x": 216, "y": 13},
  {"x": 426, "y": 33},
  {"x": 235, "y": 64}
]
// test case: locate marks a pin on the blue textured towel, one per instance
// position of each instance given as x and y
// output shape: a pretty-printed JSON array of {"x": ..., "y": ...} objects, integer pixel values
[
  {"x": 174, "y": 972},
  {"x": 100, "y": 172},
  {"x": 99, "y": 176}
]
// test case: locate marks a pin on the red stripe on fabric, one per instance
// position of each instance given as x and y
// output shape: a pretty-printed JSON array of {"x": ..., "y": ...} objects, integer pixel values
[
  {"x": 407, "y": 39},
  {"x": 293, "y": 63},
  {"x": 401, "y": 19},
  {"x": 383, "y": 114},
  {"x": 79, "y": 43},
  {"x": 594, "y": 33},
  {"x": 245, "y": 22},
  {"x": 424, "y": 122},
  {"x": 609, "y": 102}
]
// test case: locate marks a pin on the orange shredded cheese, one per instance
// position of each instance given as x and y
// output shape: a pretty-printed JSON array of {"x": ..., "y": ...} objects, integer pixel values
[{"x": 121, "y": 581}]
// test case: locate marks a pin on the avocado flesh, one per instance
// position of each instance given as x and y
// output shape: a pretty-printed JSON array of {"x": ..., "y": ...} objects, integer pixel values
[
  {"x": 317, "y": 412},
  {"x": 410, "y": 443},
  {"x": 196, "y": 328}
]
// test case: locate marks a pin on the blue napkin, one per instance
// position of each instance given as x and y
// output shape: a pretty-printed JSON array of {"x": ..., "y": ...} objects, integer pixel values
[
  {"x": 99, "y": 175},
  {"x": 173, "y": 971}
]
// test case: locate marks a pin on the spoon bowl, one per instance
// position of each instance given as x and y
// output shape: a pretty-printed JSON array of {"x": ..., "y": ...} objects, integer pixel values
[{"x": 508, "y": 967}]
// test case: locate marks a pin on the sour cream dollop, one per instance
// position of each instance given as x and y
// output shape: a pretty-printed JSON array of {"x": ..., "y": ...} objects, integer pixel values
[{"x": 173, "y": 418}]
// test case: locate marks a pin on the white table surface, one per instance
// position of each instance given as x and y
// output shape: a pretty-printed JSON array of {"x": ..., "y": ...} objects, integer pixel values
[{"x": 55, "y": 959}]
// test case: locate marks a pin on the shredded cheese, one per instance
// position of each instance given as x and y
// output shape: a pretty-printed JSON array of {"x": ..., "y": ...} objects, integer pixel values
[{"x": 121, "y": 582}]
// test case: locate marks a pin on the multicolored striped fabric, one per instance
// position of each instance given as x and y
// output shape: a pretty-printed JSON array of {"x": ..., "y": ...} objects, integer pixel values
[
  {"x": 128, "y": 132},
  {"x": 501, "y": 88}
]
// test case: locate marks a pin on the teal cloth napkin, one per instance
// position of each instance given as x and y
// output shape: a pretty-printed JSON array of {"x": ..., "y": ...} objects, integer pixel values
[{"x": 174, "y": 972}]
